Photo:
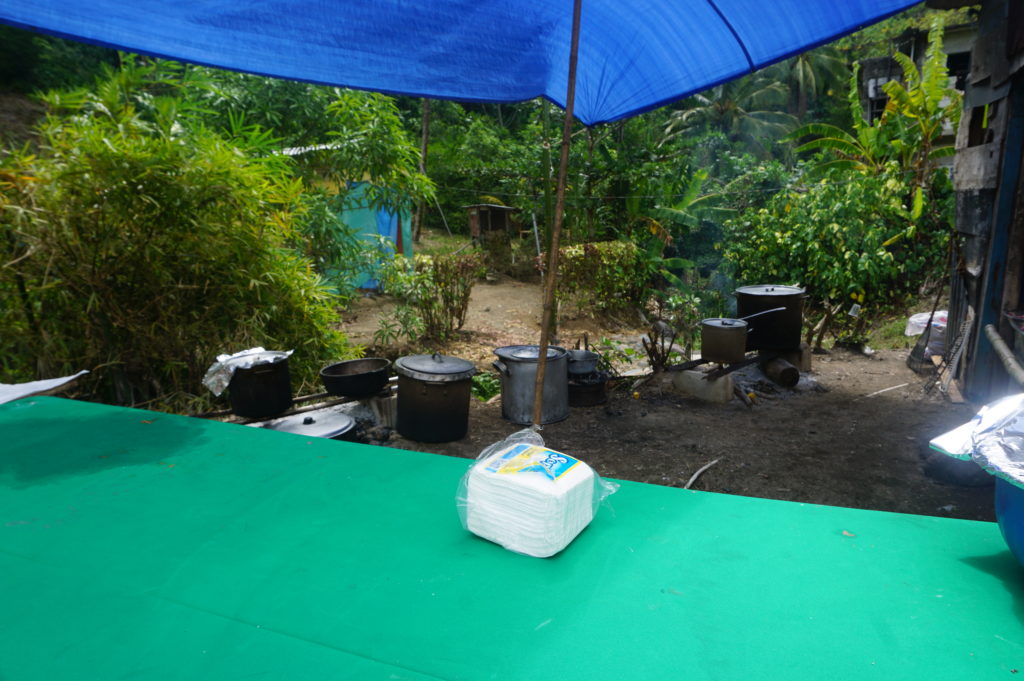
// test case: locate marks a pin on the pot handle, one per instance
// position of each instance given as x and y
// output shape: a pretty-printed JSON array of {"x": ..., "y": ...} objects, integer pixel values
[
  {"x": 500, "y": 366},
  {"x": 758, "y": 314}
]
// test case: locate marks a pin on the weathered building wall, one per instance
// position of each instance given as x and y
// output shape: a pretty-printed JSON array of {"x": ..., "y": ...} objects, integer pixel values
[{"x": 989, "y": 260}]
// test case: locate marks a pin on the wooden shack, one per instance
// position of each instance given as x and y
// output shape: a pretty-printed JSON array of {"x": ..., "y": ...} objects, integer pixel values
[
  {"x": 987, "y": 272},
  {"x": 489, "y": 217}
]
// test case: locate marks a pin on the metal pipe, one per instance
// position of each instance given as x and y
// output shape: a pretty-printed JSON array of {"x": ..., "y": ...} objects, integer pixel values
[
  {"x": 1005, "y": 354},
  {"x": 556, "y": 229}
]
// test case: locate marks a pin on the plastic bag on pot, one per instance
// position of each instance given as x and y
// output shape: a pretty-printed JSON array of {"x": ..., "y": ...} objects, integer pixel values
[
  {"x": 527, "y": 498},
  {"x": 219, "y": 375}
]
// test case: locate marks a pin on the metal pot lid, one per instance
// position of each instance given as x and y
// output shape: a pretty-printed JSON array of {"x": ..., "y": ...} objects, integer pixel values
[
  {"x": 528, "y": 353},
  {"x": 725, "y": 323},
  {"x": 771, "y": 290},
  {"x": 436, "y": 367},
  {"x": 325, "y": 423}
]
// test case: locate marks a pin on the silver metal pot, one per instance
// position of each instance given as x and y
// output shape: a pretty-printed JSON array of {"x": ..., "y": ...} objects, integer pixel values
[
  {"x": 326, "y": 423},
  {"x": 517, "y": 366},
  {"x": 723, "y": 340}
]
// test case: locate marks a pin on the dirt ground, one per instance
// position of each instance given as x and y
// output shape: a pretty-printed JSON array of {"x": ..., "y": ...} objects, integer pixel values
[{"x": 830, "y": 441}]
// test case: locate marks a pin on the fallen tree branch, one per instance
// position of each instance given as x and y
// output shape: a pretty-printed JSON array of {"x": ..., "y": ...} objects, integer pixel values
[{"x": 700, "y": 470}]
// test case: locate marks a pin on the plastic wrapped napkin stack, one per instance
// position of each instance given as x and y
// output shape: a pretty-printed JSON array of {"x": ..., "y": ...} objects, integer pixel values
[{"x": 528, "y": 498}]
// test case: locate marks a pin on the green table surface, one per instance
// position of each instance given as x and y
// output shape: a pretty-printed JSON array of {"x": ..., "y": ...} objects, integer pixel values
[{"x": 137, "y": 545}]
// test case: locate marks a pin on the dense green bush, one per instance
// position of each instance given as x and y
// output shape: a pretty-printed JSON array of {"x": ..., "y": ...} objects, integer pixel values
[
  {"x": 846, "y": 238},
  {"x": 140, "y": 249},
  {"x": 32, "y": 62},
  {"x": 606, "y": 276}
]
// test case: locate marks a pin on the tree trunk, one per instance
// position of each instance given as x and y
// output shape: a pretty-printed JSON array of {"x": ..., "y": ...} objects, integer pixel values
[{"x": 424, "y": 142}]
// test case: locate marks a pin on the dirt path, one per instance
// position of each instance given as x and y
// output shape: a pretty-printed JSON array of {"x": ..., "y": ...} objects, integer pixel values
[
  {"x": 502, "y": 312},
  {"x": 830, "y": 442}
]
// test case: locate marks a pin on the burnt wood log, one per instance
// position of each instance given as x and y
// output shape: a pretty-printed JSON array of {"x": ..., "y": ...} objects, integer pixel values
[{"x": 781, "y": 371}]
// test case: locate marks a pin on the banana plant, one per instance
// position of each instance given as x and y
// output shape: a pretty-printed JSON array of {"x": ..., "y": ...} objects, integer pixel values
[
  {"x": 907, "y": 134},
  {"x": 925, "y": 104},
  {"x": 867, "y": 149}
]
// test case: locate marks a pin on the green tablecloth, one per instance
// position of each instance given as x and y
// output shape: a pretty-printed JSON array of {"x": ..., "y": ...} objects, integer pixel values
[{"x": 136, "y": 545}]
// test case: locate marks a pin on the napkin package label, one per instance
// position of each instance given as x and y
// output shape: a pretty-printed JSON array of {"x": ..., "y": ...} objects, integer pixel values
[{"x": 526, "y": 458}]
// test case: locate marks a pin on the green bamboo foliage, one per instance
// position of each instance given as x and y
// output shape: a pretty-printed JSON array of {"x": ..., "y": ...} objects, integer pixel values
[{"x": 140, "y": 248}]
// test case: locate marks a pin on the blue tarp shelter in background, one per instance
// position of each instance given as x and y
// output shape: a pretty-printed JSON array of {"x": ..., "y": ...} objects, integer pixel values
[
  {"x": 370, "y": 223},
  {"x": 633, "y": 56}
]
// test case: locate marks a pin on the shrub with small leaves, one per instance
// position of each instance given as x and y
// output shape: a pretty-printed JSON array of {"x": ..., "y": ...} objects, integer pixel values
[
  {"x": 847, "y": 238},
  {"x": 435, "y": 288},
  {"x": 607, "y": 276}
]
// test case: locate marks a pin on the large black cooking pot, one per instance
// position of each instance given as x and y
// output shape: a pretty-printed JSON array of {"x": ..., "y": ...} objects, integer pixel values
[
  {"x": 778, "y": 330},
  {"x": 356, "y": 377},
  {"x": 264, "y": 389},
  {"x": 433, "y": 397}
]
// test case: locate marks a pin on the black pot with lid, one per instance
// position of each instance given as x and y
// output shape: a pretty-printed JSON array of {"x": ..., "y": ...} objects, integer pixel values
[
  {"x": 779, "y": 330},
  {"x": 433, "y": 397}
]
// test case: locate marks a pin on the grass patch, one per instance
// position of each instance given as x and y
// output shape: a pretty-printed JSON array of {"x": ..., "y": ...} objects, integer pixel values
[
  {"x": 889, "y": 335},
  {"x": 433, "y": 242}
]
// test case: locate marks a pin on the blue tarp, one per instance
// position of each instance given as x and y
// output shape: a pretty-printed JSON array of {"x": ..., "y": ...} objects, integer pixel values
[
  {"x": 634, "y": 56},
  {"x": 370, "y": 223}
]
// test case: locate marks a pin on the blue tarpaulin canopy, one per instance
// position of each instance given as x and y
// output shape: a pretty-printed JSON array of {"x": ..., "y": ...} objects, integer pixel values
[{"x": 633, "y": 56}]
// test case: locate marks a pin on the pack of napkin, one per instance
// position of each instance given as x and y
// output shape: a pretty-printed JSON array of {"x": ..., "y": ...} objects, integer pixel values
[{"x": 528, "y": 498}]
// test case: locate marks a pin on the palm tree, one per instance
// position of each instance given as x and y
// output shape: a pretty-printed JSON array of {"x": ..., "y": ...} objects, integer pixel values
[
  {"x": 747, "y": 111},
  {"x": 810, "y": 74},
  {"x": 867, "y": 149}
]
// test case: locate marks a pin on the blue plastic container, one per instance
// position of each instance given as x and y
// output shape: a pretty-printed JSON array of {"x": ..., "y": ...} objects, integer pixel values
[{"x": 1010, "y": 514}]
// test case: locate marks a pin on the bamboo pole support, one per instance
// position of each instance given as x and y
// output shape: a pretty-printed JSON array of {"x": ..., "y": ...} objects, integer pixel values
[{"x": 551, "y": 276}]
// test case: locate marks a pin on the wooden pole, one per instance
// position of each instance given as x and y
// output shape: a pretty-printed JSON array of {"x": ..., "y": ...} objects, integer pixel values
[{"x": 556, "y": 229}]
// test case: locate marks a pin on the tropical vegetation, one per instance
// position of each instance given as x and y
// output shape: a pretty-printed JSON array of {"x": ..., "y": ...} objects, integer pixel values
[{"x": 161, "y": 213}]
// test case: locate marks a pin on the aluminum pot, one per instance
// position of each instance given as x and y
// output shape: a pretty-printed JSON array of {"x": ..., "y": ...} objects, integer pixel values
[
  {"x": 326, "y": 423},
  {"x": 723, "y": 340},
  {"x": 517, "y": 365},
  {"x": 356, "y": 377},
  {"x": 433, "y": 397},
  {"x": 777, "y": 331}
]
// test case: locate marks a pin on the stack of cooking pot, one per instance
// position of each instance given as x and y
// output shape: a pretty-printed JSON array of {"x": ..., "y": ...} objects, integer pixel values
[
  {"x": 769, "y": 318},
  {"x": 587, "y": 386}
]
